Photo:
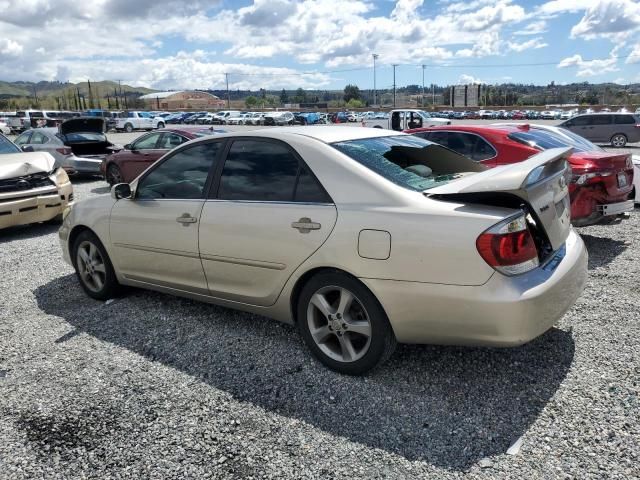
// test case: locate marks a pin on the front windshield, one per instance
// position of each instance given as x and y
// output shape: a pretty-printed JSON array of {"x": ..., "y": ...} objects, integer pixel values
[
  {"x": 544, "y": 139},
  {"x": 7, "y": 147},
  {"x": 424, "y": 114},
  {"x": 408, "y": 161}
]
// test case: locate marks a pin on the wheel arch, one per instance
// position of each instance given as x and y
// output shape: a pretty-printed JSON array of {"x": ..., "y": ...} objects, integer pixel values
[{"x": 73, "y": 235}]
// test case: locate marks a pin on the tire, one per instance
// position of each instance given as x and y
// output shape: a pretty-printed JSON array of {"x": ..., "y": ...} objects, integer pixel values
[
  {"x": 93, "y": 267},
  {"x": 320, "y": 311},
  {"x": 619, "y": 140},
  {"x": 377, "y": 126},
  {"x": 114, "y": 175},
  {"x": 128, "y": 128},
  {"x": 160, "y": 125}
]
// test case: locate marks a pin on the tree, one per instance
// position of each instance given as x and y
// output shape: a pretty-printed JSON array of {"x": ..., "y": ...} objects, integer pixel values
[
  {"x": 301, "y": 96},
  {"x": 284, "y": 98},
  {"x": 351, "y": 92},
  {"x": 355, "y": 103},
  {"x": 251, "y": 101}
]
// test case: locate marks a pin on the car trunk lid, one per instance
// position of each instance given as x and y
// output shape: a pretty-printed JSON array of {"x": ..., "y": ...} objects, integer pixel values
[
  {"x": 83, "y": 124},
  {"x": 539, "y": 182}
]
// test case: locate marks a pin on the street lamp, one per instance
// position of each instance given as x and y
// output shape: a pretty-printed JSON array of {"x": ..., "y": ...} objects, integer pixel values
[{"x": 374, "y": 55}]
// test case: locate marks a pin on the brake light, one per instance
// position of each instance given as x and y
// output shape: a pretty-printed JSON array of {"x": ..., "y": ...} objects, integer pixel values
[
  {"x": 64, "y": 150},
  {"x": 590, "y": 177},
  {"x": 509, "y": 247}
]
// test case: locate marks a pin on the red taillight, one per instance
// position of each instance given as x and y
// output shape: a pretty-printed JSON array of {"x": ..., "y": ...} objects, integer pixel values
[
  {"x": 509, "y": 247},
  {"x": 64, "y": 150}
]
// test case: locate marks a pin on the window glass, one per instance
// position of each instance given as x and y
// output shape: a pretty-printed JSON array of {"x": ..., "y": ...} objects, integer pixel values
[
  {"x": 581, "y": 121},
  {"x": 624, "y": 119},
  {"x": 146, "y": 143},
  {"x": 170, "y": 141},
  {"x": 23, "y": 139},
  {"x": 483, "y": 150},
  {"x": 7, "y": 147},
  {"x": 38, "y": 138},
  {"x": 404, "y": 160},
  {"x": 259, "y": 171},
  {"x": 601, "y": 120},
  {"x": 309, "y": 190},
  {"x": 181, "y": 176}
]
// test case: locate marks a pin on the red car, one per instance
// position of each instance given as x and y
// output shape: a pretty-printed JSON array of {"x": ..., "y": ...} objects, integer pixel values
[
  {"x": 601, "y": 186},
  {"x": 125, "y": 165}
]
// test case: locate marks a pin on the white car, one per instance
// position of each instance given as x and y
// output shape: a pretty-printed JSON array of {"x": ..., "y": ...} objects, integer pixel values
[
  {"x": 4, "y": 128},
  {"x": 279, "y": 118},
  {"x": 361, "y": 237},
  {"x": 240, "y": 119},
  {"x": 636, "y": 176}
]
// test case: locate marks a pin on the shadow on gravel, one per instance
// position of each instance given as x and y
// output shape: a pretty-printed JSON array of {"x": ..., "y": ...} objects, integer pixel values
[
  {"x": 100, "y": 190},
  {"x": 602, "y": 250},
  {"x": 448, "y": 406},
  {"x": 25, "y": 232}
]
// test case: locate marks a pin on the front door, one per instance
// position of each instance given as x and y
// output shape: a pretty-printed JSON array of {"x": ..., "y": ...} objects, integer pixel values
[
  {"x": 268, "y": 216},
  {"x": 155, "y": 234},
  {"x": 140, "y": 156}
]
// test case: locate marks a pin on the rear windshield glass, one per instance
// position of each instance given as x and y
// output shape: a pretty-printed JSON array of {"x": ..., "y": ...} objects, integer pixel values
[
  {"x": 7, "y": 147},
  {"x": 408, "y": 161},
  {"x": 543, "y": 140}
]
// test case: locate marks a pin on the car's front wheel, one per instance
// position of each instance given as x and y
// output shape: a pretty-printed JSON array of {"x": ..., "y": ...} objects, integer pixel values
[
  {"x": 160, "y": 125},
  {"x": 128, "y": 128},
  {"x": 619, "y": 140},
  {"x": 114, "y": 175},
  {"x": 93, "y": 267},
  {"x": 343, "y": 324}
]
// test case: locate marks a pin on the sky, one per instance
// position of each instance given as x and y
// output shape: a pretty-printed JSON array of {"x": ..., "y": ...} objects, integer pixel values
[{"x": 323, "y": 44}]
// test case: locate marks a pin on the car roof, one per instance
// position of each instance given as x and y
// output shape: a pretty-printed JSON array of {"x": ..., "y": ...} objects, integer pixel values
[
  {"x": 495, "y": 129},
  {"x": 323, "y": 133}
]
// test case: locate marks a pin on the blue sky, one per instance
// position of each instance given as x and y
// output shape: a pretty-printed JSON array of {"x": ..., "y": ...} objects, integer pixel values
[{"x": 173, "y": 44}]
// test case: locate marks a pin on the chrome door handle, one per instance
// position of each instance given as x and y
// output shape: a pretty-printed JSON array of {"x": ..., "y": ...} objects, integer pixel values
[
  {"x": 305, "y": 225},
  {"x": 185, "y": 219}
]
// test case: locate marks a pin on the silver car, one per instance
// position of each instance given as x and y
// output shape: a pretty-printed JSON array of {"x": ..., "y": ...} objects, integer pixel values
[
  {"x": 78, "y": 145},
  {"x": 618, "y": 129},
  {"x": 361, "y": 237}
]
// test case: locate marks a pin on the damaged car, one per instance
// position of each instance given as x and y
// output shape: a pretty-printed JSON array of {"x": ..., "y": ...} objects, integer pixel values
[
  {"x": 79, "y": 145},
  {"x": 32, "y": 188},
  {"x": 361, "y": 237}
]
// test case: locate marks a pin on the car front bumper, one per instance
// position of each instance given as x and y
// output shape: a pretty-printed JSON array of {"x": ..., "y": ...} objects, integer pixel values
[
  {"x": 36, "y": 208},
  {"x": 505, "y": 311}
]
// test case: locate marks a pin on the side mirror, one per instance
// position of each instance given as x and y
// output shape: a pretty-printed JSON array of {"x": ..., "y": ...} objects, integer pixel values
[
  {"x": 127, "y": 146},
  {"x": 121, "y": 190},
  {"x": 27, "y": 148}
]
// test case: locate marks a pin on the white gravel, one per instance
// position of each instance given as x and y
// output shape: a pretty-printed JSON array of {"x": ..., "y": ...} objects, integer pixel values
[{"x": 152, "y": 386}]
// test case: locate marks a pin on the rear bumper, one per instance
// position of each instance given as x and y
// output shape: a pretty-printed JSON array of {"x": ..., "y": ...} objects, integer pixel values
[
  {"x": 40, "y": 208},
  {"x": 505, "y": 311},
  {"x": 83, "y": 165}
]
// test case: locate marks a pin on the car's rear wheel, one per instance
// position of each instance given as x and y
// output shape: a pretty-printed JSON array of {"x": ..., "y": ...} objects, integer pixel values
[
  {"x": 93, "y": 267},
  {"x": 160, "y": 125},
  {"x": 128, "y": 128},
  {"x": 619, "y": 140},
  {"x": 114, "y": 175},
  {"x": 343, "y": 324}
]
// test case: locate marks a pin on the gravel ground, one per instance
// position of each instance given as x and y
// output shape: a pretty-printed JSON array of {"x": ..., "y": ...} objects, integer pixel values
[{"x": 152, "y": 386}]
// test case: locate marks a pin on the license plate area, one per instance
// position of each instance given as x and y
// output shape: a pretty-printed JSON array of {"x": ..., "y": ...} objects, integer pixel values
[{"x": 622, "y": 179}]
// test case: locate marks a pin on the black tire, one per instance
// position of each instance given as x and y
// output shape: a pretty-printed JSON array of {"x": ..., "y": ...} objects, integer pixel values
[
  {"x": 114, "y": 175},
  {"x": 381, "y": 341},
  {"x": 619, "y": 140},
  {"x": 160, "y": 125},
  {"x": 109, "y": 286},
  {"x": 128, "y": 128}
]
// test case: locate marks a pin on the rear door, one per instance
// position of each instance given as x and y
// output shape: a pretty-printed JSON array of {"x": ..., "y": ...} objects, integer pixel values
[{"x": 266, "y": 215}]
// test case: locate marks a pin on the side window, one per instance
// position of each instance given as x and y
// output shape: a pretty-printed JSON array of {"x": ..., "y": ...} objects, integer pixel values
[
  {"x": 169, "y": 141},
  {"x": 601, "y": 120},
  {"x": 38, "y": 138},
  {"x": 462, "y": 143},
  {"x": 425, "y": 135},
  {"x": 259, "y": 171},
  {"x": 181, "y": 176},
  {"x": 483, "y": 150},
  {"x": 147, "y": 142},
  {"x": 23, "y": 139},
  {"x": 581, "y": 121},
  {"x": 309, "y": 189},
  {"x": 441, "y": 138},
  {"x": 415, "y": 121},
  {"x": 624, "y": 119}
]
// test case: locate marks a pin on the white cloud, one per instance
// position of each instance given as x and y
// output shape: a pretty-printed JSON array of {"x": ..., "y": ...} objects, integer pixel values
[
  {"x": 465, "y": 79},
  {"x": 634, "y": 55},
  {"x": 590, "y": 68},
  {"x": 608, "y": 17},
  {"x": 534, "y": 28},
  {"x": 10, "y": 48},
  {"x": 532, "y": 44}
]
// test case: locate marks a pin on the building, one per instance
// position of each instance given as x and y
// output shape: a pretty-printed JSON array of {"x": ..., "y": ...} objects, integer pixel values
[{"x": 182, "y": 100}]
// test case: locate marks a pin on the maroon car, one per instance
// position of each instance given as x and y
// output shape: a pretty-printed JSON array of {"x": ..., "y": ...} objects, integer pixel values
[{"x": 125, "y": 165}]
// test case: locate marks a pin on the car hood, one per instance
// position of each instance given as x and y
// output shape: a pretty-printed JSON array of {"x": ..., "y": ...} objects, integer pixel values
[
  {"x": 20, "y": 164},
  {"x": 83, "y": 124}
]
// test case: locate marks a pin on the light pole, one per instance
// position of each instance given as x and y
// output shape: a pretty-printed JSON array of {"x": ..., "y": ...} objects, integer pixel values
[
  {"x": 423, "y": 67},
  {"x": 394, "y": 84},
  {"x": 374, "y": 55}
]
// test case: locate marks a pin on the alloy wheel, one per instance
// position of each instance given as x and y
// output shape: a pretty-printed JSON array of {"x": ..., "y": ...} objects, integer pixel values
[
  {"x": 619, "y": 141},
  {"x": 339, "y": 324},
  {"x": 91, "y": 266}
]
